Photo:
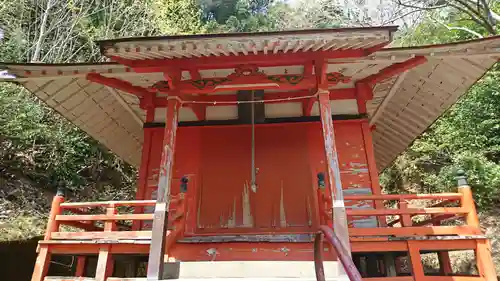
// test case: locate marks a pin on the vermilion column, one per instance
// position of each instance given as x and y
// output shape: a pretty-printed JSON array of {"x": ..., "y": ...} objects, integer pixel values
[
  {"x": 339, "y": 214},
  {"x": 160, "y": 218}
]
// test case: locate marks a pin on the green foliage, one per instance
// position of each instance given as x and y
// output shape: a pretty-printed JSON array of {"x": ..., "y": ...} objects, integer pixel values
[
  {"x": 467, "y": 136},
  {"x": 179, "y": 17}
]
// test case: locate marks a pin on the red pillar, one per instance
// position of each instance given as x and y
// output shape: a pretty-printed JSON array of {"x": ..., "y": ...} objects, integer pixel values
[
  {"x": 144, "y": 168},
  {"x": 160, "y": 218},
  {"x": 339, "y": 214},
  {"x": 372, "y": 167}
]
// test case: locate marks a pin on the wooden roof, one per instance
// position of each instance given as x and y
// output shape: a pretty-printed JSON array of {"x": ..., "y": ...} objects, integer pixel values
[{"x": 402, "y": 108}]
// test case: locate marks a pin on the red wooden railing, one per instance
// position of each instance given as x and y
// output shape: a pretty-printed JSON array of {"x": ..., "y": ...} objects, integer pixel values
[
  {"x": 403, "y": 220},
  {"x": 342, "y": 253},
  {"x": 110, "y": 215}
]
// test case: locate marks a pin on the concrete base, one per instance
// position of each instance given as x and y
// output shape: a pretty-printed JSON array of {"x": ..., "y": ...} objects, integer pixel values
[{"x": 261, "y": 270}]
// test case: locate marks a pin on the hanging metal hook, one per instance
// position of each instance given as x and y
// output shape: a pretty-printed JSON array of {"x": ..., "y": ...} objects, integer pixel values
[{"x": 253, "y": 184}]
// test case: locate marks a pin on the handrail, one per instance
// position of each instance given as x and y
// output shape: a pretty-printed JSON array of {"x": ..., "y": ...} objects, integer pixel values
[
  {"x": 448, "y": 196},
  {"x": 462, "y": 196},
  {"x": 342, "y": 253},
  {"x": 75, "y": 217},
  {"x": 131, "y": 203}
]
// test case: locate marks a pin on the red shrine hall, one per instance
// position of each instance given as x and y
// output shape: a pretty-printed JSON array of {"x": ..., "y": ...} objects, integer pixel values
[{"x": 258, "y": 157}]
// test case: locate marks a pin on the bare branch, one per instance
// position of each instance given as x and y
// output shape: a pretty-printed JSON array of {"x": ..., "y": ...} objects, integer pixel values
[
  {"x": 462, "y": 28},
  {"x": 41, "y": 35},
  {"x": 423, "y": 7}
]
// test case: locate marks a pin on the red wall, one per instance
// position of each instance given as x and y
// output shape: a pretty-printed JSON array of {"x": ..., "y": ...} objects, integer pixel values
[{"x": 217, "y": 160}]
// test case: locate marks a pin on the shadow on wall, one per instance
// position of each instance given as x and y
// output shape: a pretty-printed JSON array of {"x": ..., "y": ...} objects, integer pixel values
[{"x": 17, "y": 259}]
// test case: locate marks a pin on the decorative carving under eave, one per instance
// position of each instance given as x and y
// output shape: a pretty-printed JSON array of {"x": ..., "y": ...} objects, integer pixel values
[
  {"x": 336, "y": 77},
  {"x": 161, "y": 86},
  {"x": 292, "y": 79},
  {"x": 246, "y": 70},
  {"x": 208, "y": 82}
]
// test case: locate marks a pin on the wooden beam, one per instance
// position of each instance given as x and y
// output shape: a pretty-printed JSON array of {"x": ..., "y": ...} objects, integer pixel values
[
  {"x": 434, "y": 196},
  {"x": 320, "y": 69},
  {"x": 445, "y": 263},
  {"x": 142, "y": 181},
  {"x": 417, "y": 268},
  {"x": 339, "y": 212},
  {"x": 80, "y": 266},
  {"x": 104, "y": 267},
  {"x": 372, "y": 167},
  {"x": 415, "y": 231},
  {"x": 435, "y": 220},
  {"x": 406, "y": 211},
  {"x": 405, "y": 219},
  {"x": 131, "y": 203},
  {"x": 118, "y": 84},
  {"x": 55, "y": 210},
  {"x": 87, "y": 226},
  {"x": 392, "y": 70},
  {"x": 380, "y": 109},
  {"x": 307, "y": 106},
  {"x": 115, "y": 235},
  {"x": 485, "y": 263},
  {"x": 125, "y": 105},
  {"x": 379, "y": 246},
  {"x": 469, "y": 205},
  {"x": 231, "y": 61},
  {"x": 41, "y": 264},
  {"x": 104, "y": 217},
  {"x": 160, "y": 220},
  {"x": 223, "y": 100},
  {"x": 200, "y": 110}
]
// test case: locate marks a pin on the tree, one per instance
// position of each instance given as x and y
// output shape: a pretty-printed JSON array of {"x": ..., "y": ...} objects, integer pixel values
[
  {"x": 479, "y": 11},
  {"x": 466, "y": 136}
]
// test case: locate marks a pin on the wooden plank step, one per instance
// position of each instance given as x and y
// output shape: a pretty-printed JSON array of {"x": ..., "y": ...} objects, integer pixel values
[
  {"x": 247, "y": 269},
  {"x": 246, "y": 279},
  {"x": 92, "y": 235},
  {"x": 289, "y": 238},
  {"x": 99, "y": 241},
  {"x": 250, "y": 279},
  {"x": 61, "y": 278}
]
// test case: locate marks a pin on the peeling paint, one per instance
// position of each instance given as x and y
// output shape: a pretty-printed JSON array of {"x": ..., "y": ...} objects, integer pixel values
[
  {"x": 355, "y": 171},
  {"x": 212, "y": 252},
  {"x": 285, "y": 250},
  {"x": 247, "y": 211},
  {"x": 356, "y": 164},
  {"x": 231, "y": 222},
  {"x": 282, "y": 209},
  {"x": 198, "y": 213},
  {"x": 309, "y": 212}
]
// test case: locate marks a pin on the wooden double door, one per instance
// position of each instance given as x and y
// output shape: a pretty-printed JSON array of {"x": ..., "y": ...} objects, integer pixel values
[{"x": 282, "y": 199}]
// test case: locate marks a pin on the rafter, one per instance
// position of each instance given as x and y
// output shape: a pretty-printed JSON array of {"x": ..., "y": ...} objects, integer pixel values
[
  {"x": 385, "y": 102},
  {"x": 392, "y": 70},
  {"x": 118, "y": 84},
  {"x": 261, "y": 59},
  {"x": 125, "y": 105}
]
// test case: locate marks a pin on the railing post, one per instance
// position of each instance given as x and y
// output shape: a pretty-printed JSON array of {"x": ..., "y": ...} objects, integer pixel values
[
  {"x": 55, "y": 210},
  {"x": 80, "y": 266},
  {"x": 43, "y": 259},
  {"x": 339, "y": 213},
  {"x": 404, "y": 219},
  {"x": 467, "y": 201},
  {"x": 105, "y": 261},
  {"x": 160, "y": 219},
  {"x": 485, "y": 263}
]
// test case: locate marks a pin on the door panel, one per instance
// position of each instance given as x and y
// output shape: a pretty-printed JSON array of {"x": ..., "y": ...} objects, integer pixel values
[{"x": 283, "y": 197}]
